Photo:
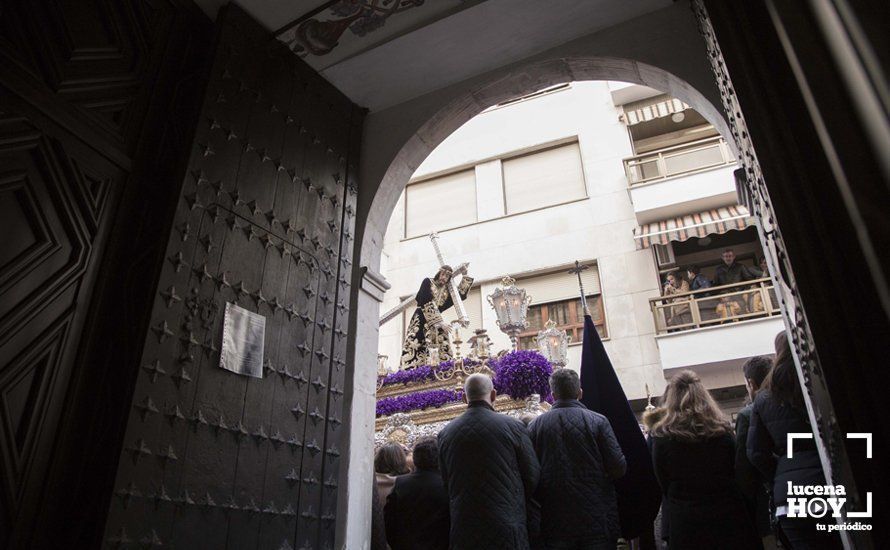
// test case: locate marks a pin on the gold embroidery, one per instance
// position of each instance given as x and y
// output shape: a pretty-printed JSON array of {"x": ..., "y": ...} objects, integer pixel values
[{"x": 431, "y": 314}]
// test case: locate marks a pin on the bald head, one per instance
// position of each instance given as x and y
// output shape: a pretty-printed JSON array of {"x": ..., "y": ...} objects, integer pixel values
[{"x": 478, "y": 387}]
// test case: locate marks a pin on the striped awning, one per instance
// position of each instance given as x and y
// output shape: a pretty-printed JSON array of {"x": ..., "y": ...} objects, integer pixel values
[
  {"x": 701, "y": 224},
  {"x": 654, "y": 110}
]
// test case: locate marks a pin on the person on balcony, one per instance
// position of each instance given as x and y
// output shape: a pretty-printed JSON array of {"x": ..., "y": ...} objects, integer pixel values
[
  {"x": 764, "y": 269},
  {"x": 731, "y": 272},
  {"x": 728, "y": 308},
  {"x": 697, "y": 281},
  {"x": 756, "y": 302},
  {"x": 679, "y": 314}
]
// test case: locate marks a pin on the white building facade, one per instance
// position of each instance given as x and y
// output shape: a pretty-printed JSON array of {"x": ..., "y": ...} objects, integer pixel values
[{"x": 631, "y": 183}]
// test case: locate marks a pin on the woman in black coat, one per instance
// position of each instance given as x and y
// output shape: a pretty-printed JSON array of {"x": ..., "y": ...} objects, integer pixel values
[
  {"x": 779, "y": 410},
  {"x": 693, "y": 453}
]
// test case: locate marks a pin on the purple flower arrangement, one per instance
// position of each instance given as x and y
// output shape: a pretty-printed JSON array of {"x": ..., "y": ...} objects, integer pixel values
[
  {"x": 417, "y": 401},
  {"x": 518, "y": 374},
  {"x": 522, "y": 373},
  {"x": 422, "y": 373}
]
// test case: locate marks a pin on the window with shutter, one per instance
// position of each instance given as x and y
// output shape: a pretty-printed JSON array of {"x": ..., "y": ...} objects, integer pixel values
[
  {"x": 440, "y": 203},
  {"x": 555, "y": 296},
  {"x": 543, "y": 178}
]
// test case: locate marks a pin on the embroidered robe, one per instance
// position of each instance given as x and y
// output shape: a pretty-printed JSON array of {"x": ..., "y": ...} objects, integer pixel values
[{"x": 425, "y": 330}]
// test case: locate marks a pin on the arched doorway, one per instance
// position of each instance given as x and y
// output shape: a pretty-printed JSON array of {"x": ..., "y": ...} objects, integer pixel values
[{"x": 441, "y": 123}]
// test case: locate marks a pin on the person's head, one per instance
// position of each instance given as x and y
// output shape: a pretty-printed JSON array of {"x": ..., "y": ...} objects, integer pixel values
[
  {"x": 728, "y": 256},
  {"x": 479, "y": 387},
  {"x": 392, "y": 459},
  {"x": 693, "y": 271},
  {"x": 756, "y": 370},
  {"x": 426, "y": 453},
  {"x": 565, "y": 384},
  {"x": 763, "y": 267},
  {"x": 690, "y": 411},
  {"x": 444, "y": 274},
  {"x": 782, "y": 381}
]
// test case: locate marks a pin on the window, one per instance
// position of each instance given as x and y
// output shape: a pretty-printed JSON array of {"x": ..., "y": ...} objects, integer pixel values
[
  {"x": 543, "y": 178},
  {"x": 554, "y": 296},
  {"x": 568, "y": 316},
  {"x": 440, "y": 203}
]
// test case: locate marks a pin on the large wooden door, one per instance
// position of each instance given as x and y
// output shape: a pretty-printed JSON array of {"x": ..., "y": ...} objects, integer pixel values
[
  {"x": 80, "y": 206},
  {"x": 56, "y": 200},
  {"x": 212, "y": 459}
]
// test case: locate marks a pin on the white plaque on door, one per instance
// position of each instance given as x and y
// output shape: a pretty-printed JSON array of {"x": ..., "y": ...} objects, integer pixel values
[{"x": 242, "y": 341}]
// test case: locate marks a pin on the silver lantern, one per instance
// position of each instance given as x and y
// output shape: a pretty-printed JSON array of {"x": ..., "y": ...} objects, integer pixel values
[
  {"x": 553, "y": 343},
  {"x": 382, "y": 368},
  {"x": 511, "y": 305}
]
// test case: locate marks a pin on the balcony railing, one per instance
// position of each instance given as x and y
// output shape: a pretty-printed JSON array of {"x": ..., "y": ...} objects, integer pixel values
[
  {"x": 714, "y": 306},
  {"x": 678, "y": 160}
]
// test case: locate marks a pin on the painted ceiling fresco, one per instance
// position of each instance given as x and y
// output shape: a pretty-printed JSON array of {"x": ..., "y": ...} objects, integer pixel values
[{"x": 348, "y": 27}]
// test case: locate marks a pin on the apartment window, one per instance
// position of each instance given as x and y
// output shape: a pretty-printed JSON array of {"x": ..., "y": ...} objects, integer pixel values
[
  {"x": 543, "y": 178},
  {"x": 555, "y": 296},
  {"x": 568, "y": 316},
  {"x": 440, "y": 203}
]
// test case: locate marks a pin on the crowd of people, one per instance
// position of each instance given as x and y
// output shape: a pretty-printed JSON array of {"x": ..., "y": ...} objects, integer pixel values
[
  {"x": 490, "y": 481},
  {"x": 729, "y": 272}
]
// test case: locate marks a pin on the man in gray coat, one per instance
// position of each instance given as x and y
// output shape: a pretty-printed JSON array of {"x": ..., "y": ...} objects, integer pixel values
[
  {"x": 580, "y": 458},
  {"x": 490, "y": 470}
]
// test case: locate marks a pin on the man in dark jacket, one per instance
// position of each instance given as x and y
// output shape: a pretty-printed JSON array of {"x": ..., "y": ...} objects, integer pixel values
[
  {"x": 580, "y": 458},
  {"x": 417, "y": 508},
  {"x": 730, "y": 271},
  {"x": 750, "y": 482},
  {"x": 490, "y": 470}
]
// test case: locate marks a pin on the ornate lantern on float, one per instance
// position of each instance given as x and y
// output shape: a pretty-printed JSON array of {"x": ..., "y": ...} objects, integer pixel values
[
  {"x": 511, "y": 305},
  {"x": 382, "y": 369},
  {"x": 481, "y": 345},
  {"x": 553, "y": 344}
]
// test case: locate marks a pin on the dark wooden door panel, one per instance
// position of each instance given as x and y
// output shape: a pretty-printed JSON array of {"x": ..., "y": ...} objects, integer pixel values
[
  {"x": 97, "y": 106},
  {"x": 91, "y": 53},
  {"x": 212, "y": 459},
  {"x": 56, "y": 195}
]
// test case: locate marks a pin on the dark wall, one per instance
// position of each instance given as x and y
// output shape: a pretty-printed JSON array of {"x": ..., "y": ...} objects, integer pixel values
[
  {"x": 98, "y": 101},
  {"x": 212, "y": 459},
  {"x": 820, "y": 187}
]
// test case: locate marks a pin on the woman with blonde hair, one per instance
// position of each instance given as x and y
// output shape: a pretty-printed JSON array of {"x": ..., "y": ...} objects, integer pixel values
[{"x": 693, "y": 452}]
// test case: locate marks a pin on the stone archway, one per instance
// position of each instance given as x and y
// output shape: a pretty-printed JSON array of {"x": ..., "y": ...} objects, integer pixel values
[
  {"x": 527, "y": 79},
  {"x": 437, "y": 123}
]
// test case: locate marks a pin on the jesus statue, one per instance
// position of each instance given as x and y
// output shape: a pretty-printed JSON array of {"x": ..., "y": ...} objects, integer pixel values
[{"x": 427, "y": 328}]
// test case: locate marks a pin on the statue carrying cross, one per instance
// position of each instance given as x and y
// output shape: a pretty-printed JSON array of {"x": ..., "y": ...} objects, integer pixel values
[{"x": 427, "y": 329}]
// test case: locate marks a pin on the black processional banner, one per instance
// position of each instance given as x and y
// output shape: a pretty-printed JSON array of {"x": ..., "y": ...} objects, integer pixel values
[{"x": 638, "y": 493}]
